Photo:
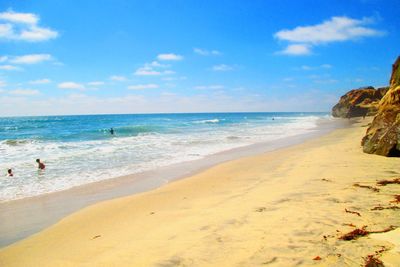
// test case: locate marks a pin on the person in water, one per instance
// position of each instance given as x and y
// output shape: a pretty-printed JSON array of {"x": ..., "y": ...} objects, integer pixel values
[
  {"x": 41, "y": 165},
  {"x": 9, "y": 173},
  {"x": 112, "y": 131}
]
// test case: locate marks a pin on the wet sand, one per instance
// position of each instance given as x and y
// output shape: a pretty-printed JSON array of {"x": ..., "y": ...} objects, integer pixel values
[{"x": 281, "y": 208}]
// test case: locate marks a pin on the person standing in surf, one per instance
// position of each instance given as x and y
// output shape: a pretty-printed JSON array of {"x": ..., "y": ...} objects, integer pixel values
[{"x": 41, "y": 165}]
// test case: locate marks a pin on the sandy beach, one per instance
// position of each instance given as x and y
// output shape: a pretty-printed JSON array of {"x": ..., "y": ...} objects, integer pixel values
[{"x": 282, "y": 208}]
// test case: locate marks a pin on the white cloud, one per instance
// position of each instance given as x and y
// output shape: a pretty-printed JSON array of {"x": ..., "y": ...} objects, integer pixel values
[
  {"x": 3, "y": 59},
  {"x": 205, "y": 52},
  {"x": 6, "y": 30},
  {"x": 2, "y": 83},
  {"x": 143, "y": 86},
  {"x": 146, "y": 71},
  {"x": 168, "y": 72},
  {"x": 156, "y": 64},
  {"x": 333, "y": 30},
  {"x": 24, "y": 27},
  {"x": 27, "y": 18},
  {"x": 153, "y": 69},
  {"x": 171, "y": 57},
  {"x": 37, "y": 34},
  {"x": 118, "y": 78},
  {"x": 305, "y": 67},
  {"x": 336, "y": 29},
  {"x": 9, "y": 67},
  {"x": 209, "y": 87},
  {"x": 296, "y": 50},
  {"x": 71, "y": 85},
  {"x": 31, "y": 59},
  {"x": 222, "y": 67},
  {"x": 24, "y": 92},
  {"x": 323, "y": 66},
  {"x": 95, "y": 83},
  {"x": 326, "y": 66},
  {"x": 40, "y": 81},
  {"x": 164, "y": 103}
]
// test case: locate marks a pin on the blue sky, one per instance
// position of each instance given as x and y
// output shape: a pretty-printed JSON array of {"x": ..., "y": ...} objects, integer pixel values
[{"x": 91, "y": 57}]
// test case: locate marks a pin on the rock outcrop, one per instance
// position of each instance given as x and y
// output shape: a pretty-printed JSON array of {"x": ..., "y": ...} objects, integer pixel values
[
  {"x": 359, "y": 102},
  {"x": 383, "y": 136}
]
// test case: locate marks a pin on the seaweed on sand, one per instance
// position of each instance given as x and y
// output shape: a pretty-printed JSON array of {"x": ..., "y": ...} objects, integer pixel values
[
  {"x": 396, "y": 199},
  {"x": 353, "y": 212},
  {"x": 372, "y": 261},
  {"x": 385, "y": 208},
  {"x": 366, "y": 186},
  {"x": 386, "y": 182},
  {"x": 359, "y": 232},
  {"x": 356, "y": 233}
]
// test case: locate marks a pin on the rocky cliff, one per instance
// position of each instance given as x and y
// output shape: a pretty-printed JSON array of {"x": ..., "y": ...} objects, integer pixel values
[
  {"x": 383, "y": 136},
  {"x": 359, "y": 102}
]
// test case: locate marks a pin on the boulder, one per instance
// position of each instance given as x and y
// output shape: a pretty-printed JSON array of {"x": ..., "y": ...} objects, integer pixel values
[
  {"x": 383, "y": 135},
  {"x": 359, "y": 102}
]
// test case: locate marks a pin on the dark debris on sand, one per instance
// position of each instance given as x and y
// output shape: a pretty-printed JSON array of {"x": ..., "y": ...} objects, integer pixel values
[
  {"x": 367, "y": 187},
  {"x": 385, "y": 208},
  {"x": 386, "y": 182},
  {"x": 353, "y": 212},
  {"x": 359, "y": 232},
  {"x": 396, "y": 199},
  {"x": 373, "y": 261}
]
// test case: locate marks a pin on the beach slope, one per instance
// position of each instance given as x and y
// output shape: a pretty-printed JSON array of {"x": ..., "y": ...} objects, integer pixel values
[{"x": 285, "y": 208}]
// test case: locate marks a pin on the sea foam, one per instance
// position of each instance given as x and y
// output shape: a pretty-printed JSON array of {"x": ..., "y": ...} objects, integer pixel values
[{"x": 80, "y": 149}]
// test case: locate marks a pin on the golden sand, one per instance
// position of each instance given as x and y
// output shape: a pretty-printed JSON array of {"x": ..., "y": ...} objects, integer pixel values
[{"x": 282, "y": 208}]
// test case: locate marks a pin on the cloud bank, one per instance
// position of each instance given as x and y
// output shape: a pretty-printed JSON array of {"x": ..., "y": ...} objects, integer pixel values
[{"x": 337, "y": 29}]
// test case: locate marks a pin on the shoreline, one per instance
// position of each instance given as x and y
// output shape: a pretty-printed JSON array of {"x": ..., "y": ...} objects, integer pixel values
[
  {"x": 21, "y": 218},
  {"x": 284, "y": 207}
]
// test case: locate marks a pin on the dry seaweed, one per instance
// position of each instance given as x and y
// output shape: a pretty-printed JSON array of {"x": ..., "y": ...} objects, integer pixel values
[
  {"x": 318, "y": 258},
  {"x": 261, "y": 209},
  {"x": 372, "y": 261},
  {"x": 366, "y": 186},
  {"x": 359, "y": 232},
  {"x": 356, "y": 233},
  {"x": 383, "y": 249},
  {"x": 396, "y": 199},
  {"x": 353, "y": 212},
  {"x": 385, "y": 182},
  {"x": 326, "y": 236},
  {"x": 385, "y": 208}
]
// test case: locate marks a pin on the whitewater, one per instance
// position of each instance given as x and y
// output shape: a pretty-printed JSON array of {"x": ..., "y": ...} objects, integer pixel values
[{"x": 79, "y": 150}]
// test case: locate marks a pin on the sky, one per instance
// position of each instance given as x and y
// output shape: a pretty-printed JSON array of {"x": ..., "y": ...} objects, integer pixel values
[{"x": 156, "y": 56}]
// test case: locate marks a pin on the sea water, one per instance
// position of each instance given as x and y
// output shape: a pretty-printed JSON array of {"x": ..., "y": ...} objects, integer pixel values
[{"x": 80, "y": 149}]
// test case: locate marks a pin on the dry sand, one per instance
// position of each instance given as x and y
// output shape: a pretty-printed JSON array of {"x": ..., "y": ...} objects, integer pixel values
[{"x": 267, "y": 210}]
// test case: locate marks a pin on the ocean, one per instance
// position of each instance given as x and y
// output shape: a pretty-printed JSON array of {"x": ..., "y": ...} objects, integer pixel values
[{"x": 79, "y": 150}]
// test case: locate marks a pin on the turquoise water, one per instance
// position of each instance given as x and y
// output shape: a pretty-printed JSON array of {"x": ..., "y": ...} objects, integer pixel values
[{"x": 80, "y": 149}]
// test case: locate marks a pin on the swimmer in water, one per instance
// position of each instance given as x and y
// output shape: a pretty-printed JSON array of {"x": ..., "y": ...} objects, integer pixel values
[
  {"x": 9, "y": 173},
  {"x": 41, "y": 165}
]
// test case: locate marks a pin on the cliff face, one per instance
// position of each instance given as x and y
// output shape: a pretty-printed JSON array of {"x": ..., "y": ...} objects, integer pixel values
[
  {"x": 359, "y": 102},
  {"x": 383, "y": 136}
]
